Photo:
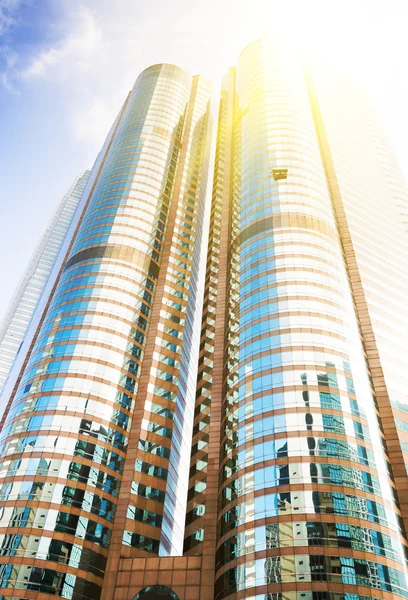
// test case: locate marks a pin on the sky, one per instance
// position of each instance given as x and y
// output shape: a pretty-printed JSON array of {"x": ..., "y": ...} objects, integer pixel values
[{"x": 66, "y": 66}]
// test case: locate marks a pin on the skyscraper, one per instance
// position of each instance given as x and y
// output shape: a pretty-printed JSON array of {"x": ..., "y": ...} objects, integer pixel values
[
  {"x": 121, "y": 323},
  {"x": 18, "y": 315},
  {"x": 304, "y": 491},
  {"x": 144, "y": 462}
]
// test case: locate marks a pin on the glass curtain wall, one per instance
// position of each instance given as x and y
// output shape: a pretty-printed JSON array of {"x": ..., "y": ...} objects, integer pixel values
[
  {"x": 65, "y": 440},
  {"x": 305, "y": 495}
]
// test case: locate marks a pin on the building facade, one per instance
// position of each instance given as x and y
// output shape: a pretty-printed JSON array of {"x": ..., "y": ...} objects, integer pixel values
[
  {"x": 366, "y": 182},
  {"x": 260, "y": 458},
  {"x": 285, "y": 386},
  {"x": 121, "y": 323},
  {"x": 25, "y": 299}
]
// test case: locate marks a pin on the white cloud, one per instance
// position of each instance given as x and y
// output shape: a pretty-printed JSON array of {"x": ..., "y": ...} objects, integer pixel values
[
  {"x": 73, "y": 52},
  {"x": 9, "y": 59},
  {"x": 8, "y": 9},
  {"x": 80, "y": 68},
  {"x": 104, "y": 47}
]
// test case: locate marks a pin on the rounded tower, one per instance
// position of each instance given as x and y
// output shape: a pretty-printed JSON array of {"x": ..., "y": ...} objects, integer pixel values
[
  {"x": 65, "y": 438},
  {"x": 306, "y": 502}
]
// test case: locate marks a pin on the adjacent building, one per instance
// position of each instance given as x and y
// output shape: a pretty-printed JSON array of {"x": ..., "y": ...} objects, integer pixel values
[
  {"x": 17, "y": 318},
  {"x": 236, "y": 433},
  {"x": 371, "y": 203}
]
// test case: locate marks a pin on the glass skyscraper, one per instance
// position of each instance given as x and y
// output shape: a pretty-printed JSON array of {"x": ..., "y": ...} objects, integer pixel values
[
  {"x": 304, "y": 490},
  {"x": 18, "y": 315},
  {"x": 228, "y": 430}
]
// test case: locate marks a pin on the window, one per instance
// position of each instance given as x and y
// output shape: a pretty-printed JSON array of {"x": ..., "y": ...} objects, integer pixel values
[{"x": 156, "y": 592}]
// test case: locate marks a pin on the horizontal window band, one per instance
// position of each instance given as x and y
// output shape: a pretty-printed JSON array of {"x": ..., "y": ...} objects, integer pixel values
[
  {"x": 287, "y": 220},
  {"x": 120, "y": 252}
]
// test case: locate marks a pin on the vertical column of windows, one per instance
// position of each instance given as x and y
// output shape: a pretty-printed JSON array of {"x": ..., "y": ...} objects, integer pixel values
[
  {"x": 168, "y": 411},
  {"x": 196, "y": 505}
]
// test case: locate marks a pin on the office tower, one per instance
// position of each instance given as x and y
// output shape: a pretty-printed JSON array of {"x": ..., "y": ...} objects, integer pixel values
[
  {"x": 122, "y": 322},
  {"x": 303, "y": 504},
  {"x": 255, "y": 465},
  {"x": 18, "y": 315}
]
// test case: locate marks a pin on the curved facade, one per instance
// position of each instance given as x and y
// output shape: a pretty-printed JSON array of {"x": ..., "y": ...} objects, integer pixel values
[
  {"x": 305, "y": 498},
  {"x": 303, "y": 462},
  {"x": 65, "y": 439}
]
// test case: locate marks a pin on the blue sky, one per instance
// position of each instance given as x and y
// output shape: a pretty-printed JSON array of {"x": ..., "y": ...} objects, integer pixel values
[{"x": 66, "y": 65}]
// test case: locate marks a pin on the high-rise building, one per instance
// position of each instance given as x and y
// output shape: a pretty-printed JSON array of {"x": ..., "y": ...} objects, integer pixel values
[
  {"x": 122, "y": 323},
  {"x": 18, "y": 315},
  {"x": 234, "y": 434},
  {"x": 304, "y": 488}
]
